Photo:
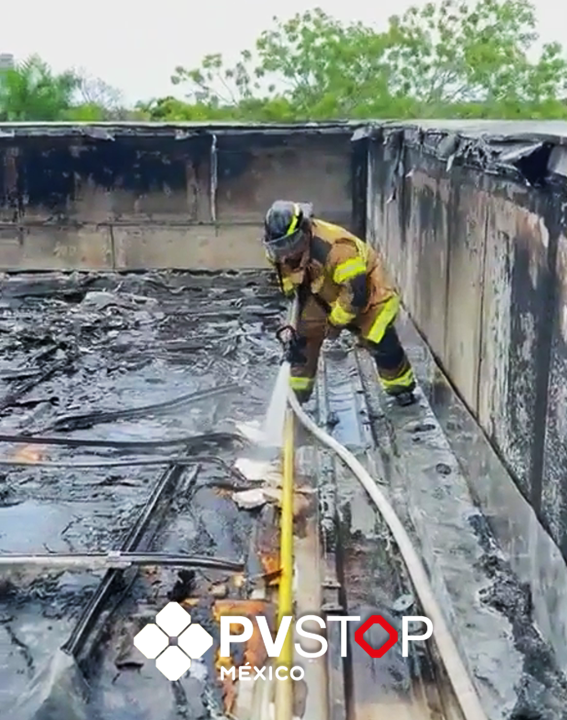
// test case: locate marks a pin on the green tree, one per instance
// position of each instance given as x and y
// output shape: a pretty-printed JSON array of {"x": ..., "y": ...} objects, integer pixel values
[
  {"x": 310, "y": 66},
  {"x": 457, "y": 58},
  {"x": 31, "y": 91},
  {"x": 95, "y": 100},
  {"x": 447, "y": 59},
  {"x": 327, "y": 68}
]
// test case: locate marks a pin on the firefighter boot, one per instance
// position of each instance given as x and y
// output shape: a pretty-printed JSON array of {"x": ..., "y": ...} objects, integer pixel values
[{"x": 394, "y": 368}]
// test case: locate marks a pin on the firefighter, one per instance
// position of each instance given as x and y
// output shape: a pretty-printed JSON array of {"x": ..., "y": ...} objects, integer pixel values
[{"x": 341, "y": 284}]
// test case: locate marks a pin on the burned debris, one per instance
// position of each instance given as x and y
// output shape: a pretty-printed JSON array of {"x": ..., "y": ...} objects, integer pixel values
[{"x": 86, "y": 425}]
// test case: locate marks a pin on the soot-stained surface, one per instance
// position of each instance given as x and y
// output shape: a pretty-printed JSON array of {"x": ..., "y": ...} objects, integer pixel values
[
  {"x": 487, "y": 609},
  {"x": 372, "y": 574},
  {"x": 475, "y": 559},
  {"x": 71, "y": 346}
]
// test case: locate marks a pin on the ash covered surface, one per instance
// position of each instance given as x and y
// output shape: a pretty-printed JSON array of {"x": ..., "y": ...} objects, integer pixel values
[
  {"x": 489, "y": 607},
  {"x": 368, "y": 566},
  {"x": 79, "y": 344},
  {"x": 542, "y": 691}
]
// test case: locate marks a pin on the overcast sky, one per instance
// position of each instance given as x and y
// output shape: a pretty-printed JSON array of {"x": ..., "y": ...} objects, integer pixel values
[{"x": 136, "y": 45}]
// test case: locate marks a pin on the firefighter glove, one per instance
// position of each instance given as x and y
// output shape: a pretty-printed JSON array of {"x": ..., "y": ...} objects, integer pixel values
[{"x": 294, "y": 351}]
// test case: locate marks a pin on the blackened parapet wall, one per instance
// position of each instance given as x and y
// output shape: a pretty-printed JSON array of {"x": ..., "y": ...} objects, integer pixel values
[
  {"x": 138, "y": 196},
  {"x": 471, "y": 218}
]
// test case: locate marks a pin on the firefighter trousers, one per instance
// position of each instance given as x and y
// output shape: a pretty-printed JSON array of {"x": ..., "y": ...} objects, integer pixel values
[{"x": 375, "y": 330}]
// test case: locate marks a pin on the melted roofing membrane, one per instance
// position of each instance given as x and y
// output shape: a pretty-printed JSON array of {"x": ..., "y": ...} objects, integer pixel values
[
  {"x": 121, "y": 343},
  {"x": 121, "y": 352}
]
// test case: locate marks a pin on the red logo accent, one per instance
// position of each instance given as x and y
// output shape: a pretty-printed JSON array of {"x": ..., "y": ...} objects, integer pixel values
[{"x": 381, "y": 651}]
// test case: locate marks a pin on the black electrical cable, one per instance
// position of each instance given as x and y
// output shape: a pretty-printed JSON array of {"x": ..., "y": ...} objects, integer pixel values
[
  {"x": 134, "y": 462},
  {"x": 85, "y": 465},
  {"x": 116, "y": 560},
  {"x": 97, "y": 417},
  {"x": 190, "y": 442},
  {"x": 164, "y": 488}
]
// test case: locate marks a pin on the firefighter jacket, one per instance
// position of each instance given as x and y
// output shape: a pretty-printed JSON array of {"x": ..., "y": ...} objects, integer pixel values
[{"x": 346, "y": 276}]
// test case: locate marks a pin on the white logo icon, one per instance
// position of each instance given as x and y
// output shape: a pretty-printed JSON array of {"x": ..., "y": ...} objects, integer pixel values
[{"x": 153, "y": 641}]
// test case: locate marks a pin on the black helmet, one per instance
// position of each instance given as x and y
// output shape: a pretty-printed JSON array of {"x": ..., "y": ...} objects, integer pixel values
[{"x": 284, "y": 229}]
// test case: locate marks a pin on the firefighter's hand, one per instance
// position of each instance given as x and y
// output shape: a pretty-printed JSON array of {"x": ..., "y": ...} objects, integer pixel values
[{"x": 294, "y": 352}]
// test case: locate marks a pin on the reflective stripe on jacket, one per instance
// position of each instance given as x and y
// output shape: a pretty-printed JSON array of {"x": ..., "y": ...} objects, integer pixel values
[{"x": 345, "y": 273}]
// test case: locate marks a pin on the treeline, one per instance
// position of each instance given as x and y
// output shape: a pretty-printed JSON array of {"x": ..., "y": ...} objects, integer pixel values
[
  {"x": 31, "y": 91},
  {"x": 447, "y": 59}
]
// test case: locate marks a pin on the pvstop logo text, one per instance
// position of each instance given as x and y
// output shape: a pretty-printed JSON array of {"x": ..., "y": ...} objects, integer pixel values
[
  {"x": 274, "y": 646},
  {"x": 173, "y": 641}
]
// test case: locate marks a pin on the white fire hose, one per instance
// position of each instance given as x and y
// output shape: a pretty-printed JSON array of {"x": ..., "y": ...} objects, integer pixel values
[{"x": 465, "y": 692}]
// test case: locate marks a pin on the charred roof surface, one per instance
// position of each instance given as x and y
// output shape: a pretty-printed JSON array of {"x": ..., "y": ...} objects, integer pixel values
[
  {"x": 180, "y": 130},
  {"x": 528, "y": 151},
  {"x": 506, "y": 130},
  {"x": 510, "y": 130}
]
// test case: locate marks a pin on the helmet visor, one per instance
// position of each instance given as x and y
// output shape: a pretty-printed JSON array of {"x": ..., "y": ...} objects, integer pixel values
[{"x": 283, "y": 247}]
